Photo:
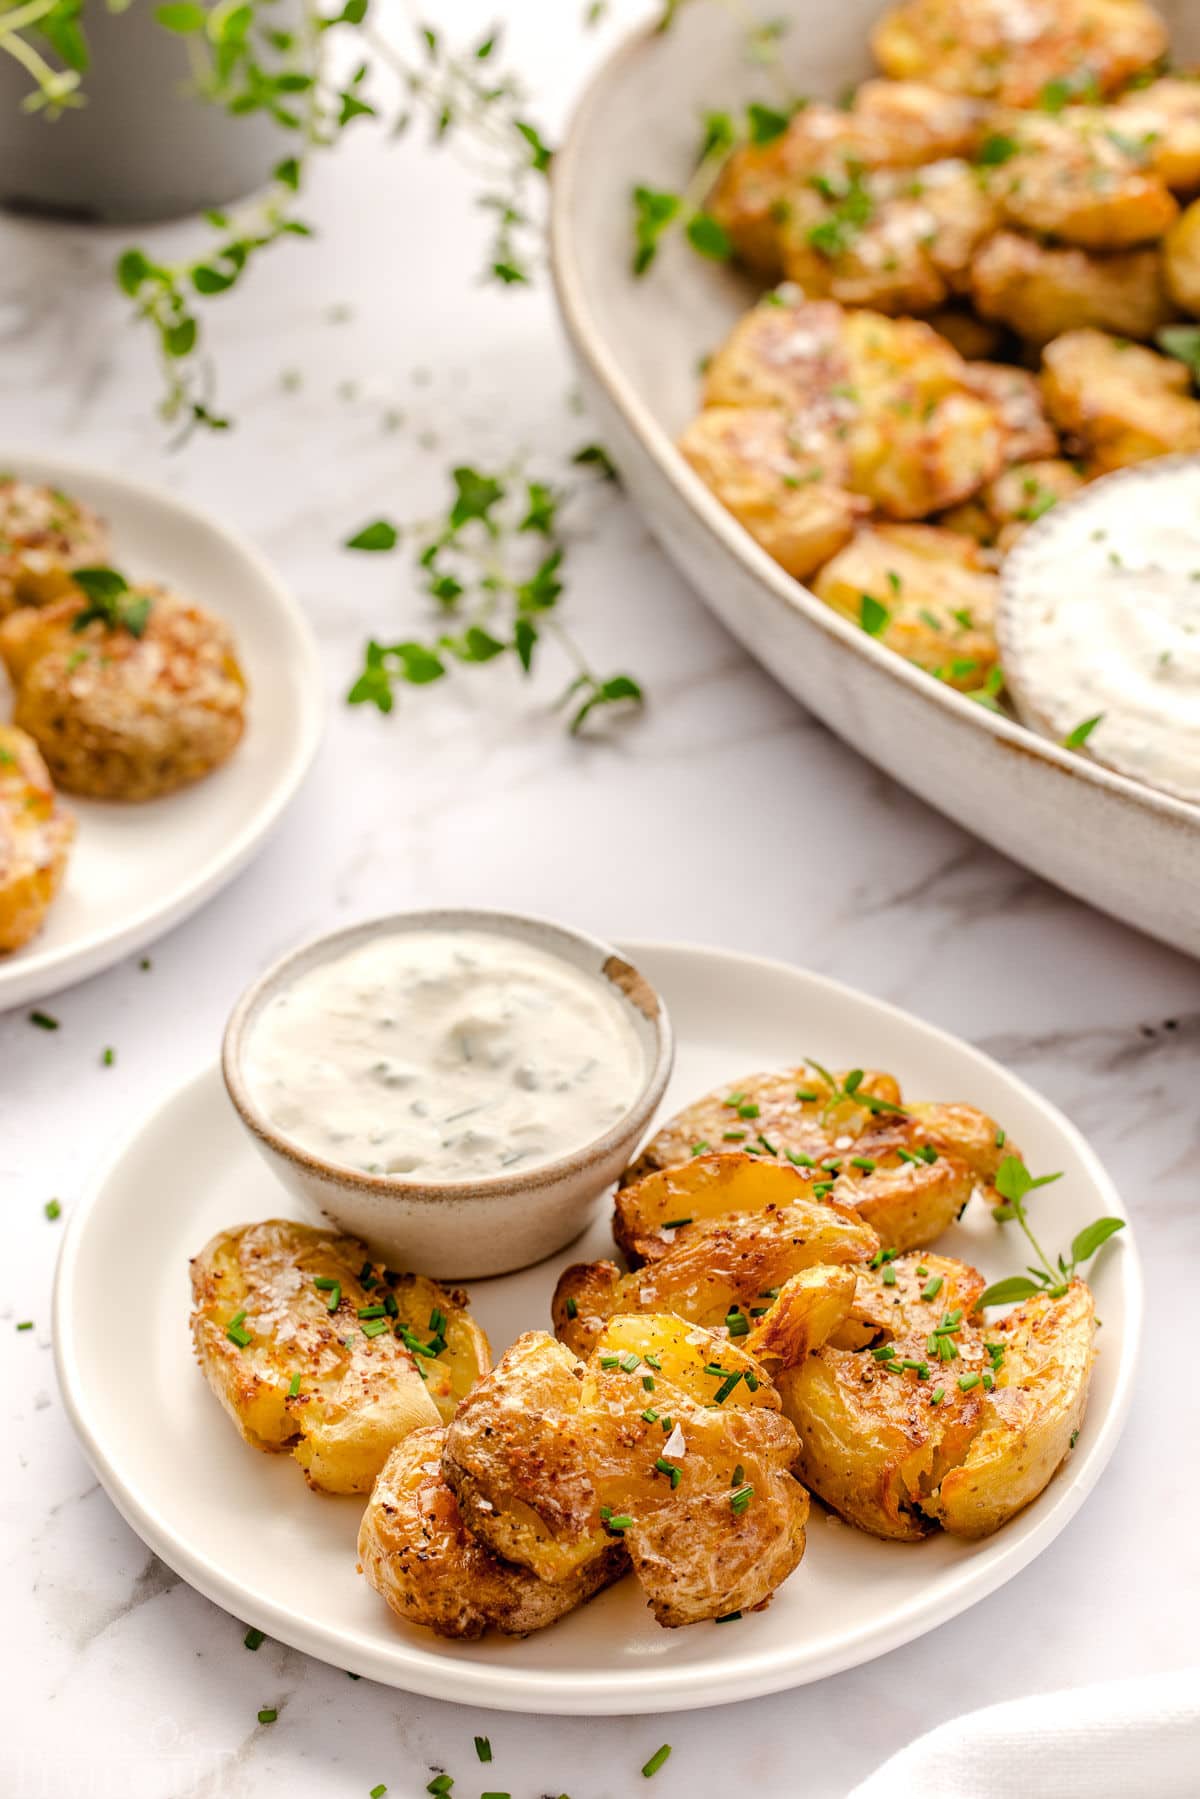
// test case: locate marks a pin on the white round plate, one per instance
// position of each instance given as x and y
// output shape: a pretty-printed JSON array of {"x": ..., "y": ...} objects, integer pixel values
[
  {"x": 137, "y": 870},
  {"x": 244, "y": 1529}
]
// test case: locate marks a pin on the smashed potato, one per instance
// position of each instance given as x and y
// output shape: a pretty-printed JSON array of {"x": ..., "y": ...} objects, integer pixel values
[
  {"x": 310, "y": 1347},
  {"x": 1016, "y": 396},
  {"x": 753, "y": 1226},
  {"x": 1118, "y": 402},
  {"x": 35, "y": 839},
  {"x": 934, "y": 599},
  {"x": 1079, "y": 177},
  {"x": 44, "y": 536},
  {"x": 916, "y": 1413},
  {"x": 1041, "y": 290},
  {"x": 669, "y": 1440},
  {"x": 786, "y": 489},
  {"x": 898, "y": 241},
  {"x": 417, "y": 1553},
  {"x": 1164, "y": 119},
  {"x": 130, "y": 708},
  {"x": 1181, "y": 260},
  {"x": 1015, "y": 54},
  {"x": 907, "y": 1170}
]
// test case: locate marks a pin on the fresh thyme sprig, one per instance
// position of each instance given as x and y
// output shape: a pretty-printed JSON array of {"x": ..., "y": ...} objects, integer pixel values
[
  {"x": 1013, "y": 1183},
  {"x": 493, "y": 566}
]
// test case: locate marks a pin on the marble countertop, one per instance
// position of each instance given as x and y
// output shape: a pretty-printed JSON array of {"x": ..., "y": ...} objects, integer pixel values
[{"x": 360, "y": 369}]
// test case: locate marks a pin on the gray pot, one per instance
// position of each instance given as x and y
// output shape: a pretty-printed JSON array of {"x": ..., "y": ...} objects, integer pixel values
[{"x": 143, "y": 147}]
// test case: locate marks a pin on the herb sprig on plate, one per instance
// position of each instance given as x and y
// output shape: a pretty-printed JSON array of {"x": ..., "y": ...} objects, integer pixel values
[
  {"x": 493, "y": 567},
  {"x": 1014, "y": 1183},
  {"x": 111, "y": 601}
]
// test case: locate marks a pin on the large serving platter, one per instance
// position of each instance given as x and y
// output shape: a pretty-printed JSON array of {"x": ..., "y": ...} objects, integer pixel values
[
  {"x": 639, "y": 342},
  {"x": 136, "y": 870},
  {"x": 242, "y": 1527}
]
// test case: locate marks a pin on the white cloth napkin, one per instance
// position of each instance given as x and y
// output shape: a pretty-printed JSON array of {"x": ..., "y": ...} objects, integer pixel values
[{"x": 1127, "y": 1739}]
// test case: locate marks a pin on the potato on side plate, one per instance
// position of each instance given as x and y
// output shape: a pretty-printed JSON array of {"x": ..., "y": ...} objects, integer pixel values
[
  {"x": 35, "y": 839},
  {"x": 311, "y": 1347},
  {"x": 44, "y": 536},
  {"x": 417, "y": 1553}
]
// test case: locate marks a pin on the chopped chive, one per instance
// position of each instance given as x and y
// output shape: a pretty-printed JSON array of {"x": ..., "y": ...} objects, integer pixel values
[
  {"x": 26, "y": 1324},
  {"x": 885, "y": 1352},
  {"x": 751, "y": 1380},
  {"x": 727, "y": 1617},
  {"x": 937, "y": 1396},
  {"x": 799, "y": 1158},
  {"x": 294, "y": 1386},
  {"x": 572, "y": 1309},
  {"x": 650, "y": 1415},
  {"x": 733, "y": 1136},
  {"x": 652, "y": 1361},
  {"x": 333, "y": 1289},
  {"x": 267, "y": 1715},
  {"x": 390, "y": 1306},
  {"x": 378, "y": 1792},
  {"x": 373, "y": 1327},
  {"x": 52, "y": 1210},
  {"x": 1001, "y": 1139},
  {"x": 805, "y": 1094},
  {"x": 737, "y": 1323},
  {"x": 370, "y": 1311},
  {"x": 43, "y": 1021},
  {"x": 863, "y": 1162},
  {"x": 698, "y": 1149},
  {"x": 108, "y": 1058},
  {"x": 495, "y": 1796},
  {"x": 254, "y": 1639},
  {"x": 768, "y": 1148},
  {"x": 739, "y": 1475},
  {"x": 483, "y": 1749},
  {"x": 726, "y": 1388},
  {"x": 769, "y": 1293},
  {"x": 740, "y": 1498},
  {"x": 889, "y": 1275},
  {"x": 441, "y": 1783},
  {"x": 619, "y": 1523},
  {"x": 922, "y": 1271},
  {"x": 236, "y": 1331},
  {"x": 629, "y": 1363},
  {"x": 933, "y": 1288},
  {"x": 665, "y": 1467},
  {"x": 748, "y": 1110},
  {"x": 675, "y": 1224},
  {"x": 967, "y": 1381},
  {"x": 656, "y": 1760},
  {"x": 648, "y": 1382},
  {"x": 610, "y": 1361}
]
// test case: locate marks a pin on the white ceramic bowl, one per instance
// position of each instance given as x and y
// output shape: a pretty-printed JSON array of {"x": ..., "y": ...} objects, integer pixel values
[
  {"x": 1107, "y": 838},
  {"x": 461, "y": 1230}
]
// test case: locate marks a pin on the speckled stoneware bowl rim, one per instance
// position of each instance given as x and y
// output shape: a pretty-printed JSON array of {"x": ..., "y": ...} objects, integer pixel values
[
  {"x": 590, "y": 343},
  {"x": 543, "y": 933},
  {"x": 1024, "y": 555}
]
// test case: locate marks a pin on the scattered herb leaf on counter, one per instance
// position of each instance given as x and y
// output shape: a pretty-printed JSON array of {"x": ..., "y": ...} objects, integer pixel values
[
  {"x": 44, "y": 1021},
  {"x": 493, "y": 567},
  {"x": 483, "y": 1748},
  {"x": 52, "y": 1210},
  {"x": 656, "y": 1760},
  {"x": 1013, "y": 1183}
]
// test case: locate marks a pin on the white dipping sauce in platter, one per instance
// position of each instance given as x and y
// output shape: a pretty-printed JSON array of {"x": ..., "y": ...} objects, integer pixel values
[{"x": 445, "y": 1055}]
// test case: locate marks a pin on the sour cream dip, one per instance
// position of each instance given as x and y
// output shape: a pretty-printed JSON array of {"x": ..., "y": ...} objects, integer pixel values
[
  {"x": 443, "y": 1055},
  {"x": 1099, "y": 624}
]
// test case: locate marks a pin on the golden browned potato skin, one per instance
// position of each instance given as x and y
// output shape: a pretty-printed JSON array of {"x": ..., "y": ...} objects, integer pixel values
[
  {"x": 911, "y": 254},
  {"x": 417, "y": 1553},
  {"x": 1031, "y": 1418},
  {"x": 788, "y": 494},
  {"x": 890, "y": 1300},
  {"x": 1118, "y": 402},
  {"x": 1080, "y": 178},
  {"x": 985, "y": 47},
  {"x": 937, "y": 593},
  {"x": 357, "y": 1395},
  {"x": 1016, "y": 396},
  {"x": 732, "y": 1262},
  {"x": 35, "y": 839},
  {"x": 547, "y": 1454},
  {"x": 1181, "y": 259},
  {"x": 657, "y": 1209},
  {"x": 891, "y": 124},
  {"x": 44, "y": 535},
  {"x": 1042, "y": 290},
  {"x": 123, "y": 717},
  {"x": 907, "y": 1202},
  {"x": 892, "y": 393},
  {"x": 1165, "y": 118}
]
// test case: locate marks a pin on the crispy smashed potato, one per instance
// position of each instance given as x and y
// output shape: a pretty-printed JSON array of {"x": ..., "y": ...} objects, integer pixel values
[
  {"x": 788, "y": 490},
  {"x": 1022, "y": 494},
  {"x": 747, "y": 1227},
  {"x": 417, "y": 1553},
  {"x": 1042, "y": 290},
  {"x": 1164, "y": 119},
  {"x": 916, "y": 1413},
  {"x": 1181, "y": 260},
  {"x": 126, "y": 711},
  {"x": 1030, "y": 1418},
  {"x": 35, "y": 839},
  {"x": 936, "y": 599},
  {"x": 1079, "y": 177},
  {"x": 1118, "y": 402},
  {"x": 1014, "y": 54},
  {"x": 298, "y": 1367},
  {"x": 891, "y": 393},
  {"x": 44, "y": 535},
  {"x": 1016, "y": 396},
  {"x": 900, "y": 241},
  {"x": 907, "y": 1170},
  {"x": 891, "y": 124},
  {"x": 551, "y": 1460}
]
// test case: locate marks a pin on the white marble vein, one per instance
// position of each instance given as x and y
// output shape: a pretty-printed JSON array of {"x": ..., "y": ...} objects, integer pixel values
[{"x": 725, "y": 816}]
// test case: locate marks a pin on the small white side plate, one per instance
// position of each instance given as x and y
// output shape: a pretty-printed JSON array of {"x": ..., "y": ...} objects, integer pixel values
[
  {"x": 137, "y": 870},
  {"x": 242, "y": 1527}
]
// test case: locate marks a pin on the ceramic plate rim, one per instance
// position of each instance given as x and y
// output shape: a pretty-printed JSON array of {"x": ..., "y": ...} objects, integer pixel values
[
  {"x": 591, "y": 1694},
  {"x": 590, "y": 342},
  {"x": 33, "y": 973}
]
